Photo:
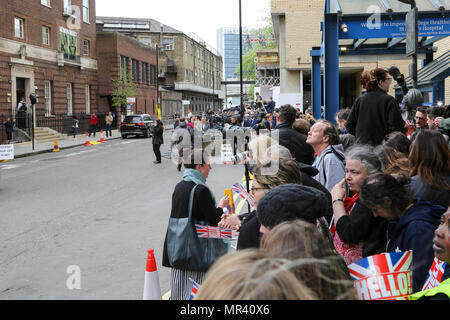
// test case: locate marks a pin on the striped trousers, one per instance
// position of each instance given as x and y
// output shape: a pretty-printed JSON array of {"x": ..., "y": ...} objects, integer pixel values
[{"x": 181, "y": 283}]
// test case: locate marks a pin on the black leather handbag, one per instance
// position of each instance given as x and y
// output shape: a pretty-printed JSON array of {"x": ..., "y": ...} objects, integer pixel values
[{"x": 186, "y": 251}]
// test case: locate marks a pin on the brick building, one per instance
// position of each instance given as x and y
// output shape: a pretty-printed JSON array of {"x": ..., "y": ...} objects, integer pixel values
[
  {"x": 190, "y": 71},
  {"x": 48, "y": 47},
  {"x": 120, "y": 52}
]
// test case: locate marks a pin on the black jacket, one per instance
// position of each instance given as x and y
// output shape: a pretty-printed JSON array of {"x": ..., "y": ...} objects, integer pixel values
[
  {"x": 373, "y": 116},
  {"x": 203, "y": 208},
  {"x": 249, "y": 235},
  {"x": 295, "y": 142},
  {"x": 9, "y": 126},
  {"x": 362, "y": 226},
  {"x": 158, "y": 132}
]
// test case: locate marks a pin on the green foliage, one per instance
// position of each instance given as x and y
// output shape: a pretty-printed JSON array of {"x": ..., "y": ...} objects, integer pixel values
[
  {"x": 123, "y": 87},
  {"x": 264, "y": 39}
]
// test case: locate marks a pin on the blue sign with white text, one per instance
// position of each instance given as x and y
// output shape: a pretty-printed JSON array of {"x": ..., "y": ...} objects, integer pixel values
[{"x": 396, "y": 28}]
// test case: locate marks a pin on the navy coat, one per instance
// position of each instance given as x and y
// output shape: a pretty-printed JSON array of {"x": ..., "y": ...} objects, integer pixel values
[{"x": 415, "y": 231}]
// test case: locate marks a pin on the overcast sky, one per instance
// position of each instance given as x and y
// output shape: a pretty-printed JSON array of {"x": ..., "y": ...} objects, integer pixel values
[{"x": 202, "y": 17}]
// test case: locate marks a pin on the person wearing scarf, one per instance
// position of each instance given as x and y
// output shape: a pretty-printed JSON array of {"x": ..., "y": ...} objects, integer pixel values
[{"x": 204, "y": 208}]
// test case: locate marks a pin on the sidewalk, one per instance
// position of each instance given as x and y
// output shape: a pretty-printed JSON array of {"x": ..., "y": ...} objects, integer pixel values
[{"x": 26, "y": 149}]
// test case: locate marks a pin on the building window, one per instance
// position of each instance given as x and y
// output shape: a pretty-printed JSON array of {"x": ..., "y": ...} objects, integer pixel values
[
  {"x": 69, "y": 98},
  {"x": 167, "y": 44},
  {"x": 86, "y": 47},
  {"x": 123, "y": 66},
  {"x": 144, "y": 73},
  {"x": 146, "y": 40},
  {"x": 19, "y": 28},
  {"x": 48, "y": 97},
  {"x": 45, "y": 2},
  {"x": 152, "y": 74},
  {"x": 67, "y": 6},
  {"x": 86, "y": 11},
  {"x": 135, "y": 70},
  {"x": 45, "y": 35},
  {"x": 87, "y": 92}
]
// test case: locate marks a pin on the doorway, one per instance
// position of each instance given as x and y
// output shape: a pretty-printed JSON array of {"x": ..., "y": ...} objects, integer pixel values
[{"x": 20, "y": 89}]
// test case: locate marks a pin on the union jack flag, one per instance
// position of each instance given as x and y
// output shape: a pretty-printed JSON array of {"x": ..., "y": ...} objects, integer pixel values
[
  {"x": 385, "y": 276},
  {"x": 195, "y": 287},
  {"x": 381, "y": 263},
  {"x": 214, "y": 232},
  {"x": 435, "y": 274},
  {"x": 239, "y": 189}
]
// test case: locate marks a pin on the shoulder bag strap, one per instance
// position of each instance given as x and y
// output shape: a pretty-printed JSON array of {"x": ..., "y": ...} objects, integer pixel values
[{"x": 191, "y": 201}]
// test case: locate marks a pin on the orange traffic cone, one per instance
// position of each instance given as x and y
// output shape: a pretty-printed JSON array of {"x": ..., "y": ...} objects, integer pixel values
[
  {"x": 87, "y": 144},
  {"x": 56, "y": 147},
  {"x": 102, "y": 140},
  {"x": 152, "y": 290}
]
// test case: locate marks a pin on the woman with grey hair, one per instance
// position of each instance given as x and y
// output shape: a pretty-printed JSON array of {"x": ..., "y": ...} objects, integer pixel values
[{"x": 356, "y": 231}]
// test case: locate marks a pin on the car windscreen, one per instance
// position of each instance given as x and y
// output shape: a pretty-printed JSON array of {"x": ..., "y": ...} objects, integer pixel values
[{"x": 136, "y": 119}]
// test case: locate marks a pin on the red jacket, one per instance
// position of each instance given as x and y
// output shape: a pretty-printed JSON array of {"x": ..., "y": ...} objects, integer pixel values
[{"x": 93, "y": 119}]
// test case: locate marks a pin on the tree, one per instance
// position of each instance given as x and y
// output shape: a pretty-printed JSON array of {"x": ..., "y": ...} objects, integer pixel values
[
  {"x": 123, "y": 87},
  {"x": 263, "y": 38}
]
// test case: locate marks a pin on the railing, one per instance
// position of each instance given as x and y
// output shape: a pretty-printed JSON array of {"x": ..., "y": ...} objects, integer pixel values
[{"x": 61, "y": 123}]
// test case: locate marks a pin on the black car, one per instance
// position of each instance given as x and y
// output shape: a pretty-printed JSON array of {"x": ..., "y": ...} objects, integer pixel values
[{"x": 137, "y": 125}]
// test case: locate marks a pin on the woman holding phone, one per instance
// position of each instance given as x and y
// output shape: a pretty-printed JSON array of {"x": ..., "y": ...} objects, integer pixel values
[{"x": 357, "y": 233}]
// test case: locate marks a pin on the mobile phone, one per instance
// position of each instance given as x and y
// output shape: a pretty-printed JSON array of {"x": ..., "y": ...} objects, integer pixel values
[{"x": 347, "y": 189}]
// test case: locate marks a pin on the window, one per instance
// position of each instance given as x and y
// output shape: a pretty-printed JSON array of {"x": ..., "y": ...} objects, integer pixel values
[
  {"x": 67, "y": 6},
  {"x": 86, "y": 47},
  {"x": 87, "y": 92},
  {"x": 45, "y": 35},
  {"x": 48, "y": 97},
  {"x": 19, "y": 28},
  {"x": 167, "y": 44},
  {"x": 69, "y": 98},
  {"x": 144, "y": 73},
  {"x": 135, "y": 70},
  {"x": 146, "y": 40},
  {"x": 86, "y": 11},
  {"x": 152, "y": 74},
  {"x": 45, "y": 2},
  {"x": 123, "y": 65}
]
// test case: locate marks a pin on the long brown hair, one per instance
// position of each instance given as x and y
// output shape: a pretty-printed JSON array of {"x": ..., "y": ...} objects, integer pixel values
[
  {"x": 370, "y": 79},
  {"x": 430, "y": 159}
]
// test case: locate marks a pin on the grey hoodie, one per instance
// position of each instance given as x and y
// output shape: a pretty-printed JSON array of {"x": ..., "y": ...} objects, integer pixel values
[{"x": 331, "y": 168}]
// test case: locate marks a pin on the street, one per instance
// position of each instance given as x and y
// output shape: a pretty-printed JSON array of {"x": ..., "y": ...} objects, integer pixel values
[{"x": 97, "y": 208}]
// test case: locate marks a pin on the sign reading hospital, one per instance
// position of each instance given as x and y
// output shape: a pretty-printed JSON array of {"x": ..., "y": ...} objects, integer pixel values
[
  {"x": 385, "y": 276},
  {"x": 395, "y": 28},
  {"x": 7, "y": 152}
]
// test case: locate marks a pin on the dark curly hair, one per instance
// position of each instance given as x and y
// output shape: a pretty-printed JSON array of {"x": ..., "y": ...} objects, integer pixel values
[{"x": 379, "y": 186}]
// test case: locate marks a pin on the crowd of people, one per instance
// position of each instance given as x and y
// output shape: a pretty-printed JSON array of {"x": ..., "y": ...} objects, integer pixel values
[{"x": 341, "y": 193}]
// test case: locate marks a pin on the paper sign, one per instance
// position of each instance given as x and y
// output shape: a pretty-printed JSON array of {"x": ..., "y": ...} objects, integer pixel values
[
  {"x": 435, "y": 274},
  {"x": 227, "y": 154},
  {"x": 7, "y": 152},
  {"x": 215, "y": 232},
  {"x": 385, "y": 276}
]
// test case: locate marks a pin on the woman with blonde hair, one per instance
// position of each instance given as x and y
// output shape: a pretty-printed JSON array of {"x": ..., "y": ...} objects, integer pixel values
[
  {"x": 252, "y": 275},
  {"x": 311, "y": 259}
]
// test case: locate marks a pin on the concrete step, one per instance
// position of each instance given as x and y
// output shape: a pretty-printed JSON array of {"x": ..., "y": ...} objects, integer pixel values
[{"x": 47, "y": 135}]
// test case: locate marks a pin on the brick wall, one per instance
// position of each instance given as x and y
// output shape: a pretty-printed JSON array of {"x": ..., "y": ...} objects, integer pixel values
[
  {"x": 42, "y": 59},
  {"x": 110, "y": 47}
]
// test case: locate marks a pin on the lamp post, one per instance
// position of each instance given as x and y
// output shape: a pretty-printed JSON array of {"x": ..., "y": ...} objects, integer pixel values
[
  {"x": 412, "y": 30},
  {"x": 240, "y": 55}
]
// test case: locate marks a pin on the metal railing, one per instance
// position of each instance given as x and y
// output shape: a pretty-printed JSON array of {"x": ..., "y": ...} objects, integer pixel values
[{"x": 61, "y": 123}]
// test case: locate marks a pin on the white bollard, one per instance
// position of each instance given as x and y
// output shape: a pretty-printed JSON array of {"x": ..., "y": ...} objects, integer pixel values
[{"x": 152, "y": 290}]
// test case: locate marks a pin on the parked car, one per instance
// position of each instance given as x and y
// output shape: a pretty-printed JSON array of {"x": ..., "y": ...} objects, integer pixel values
[{"x": 137, "y": 125}]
